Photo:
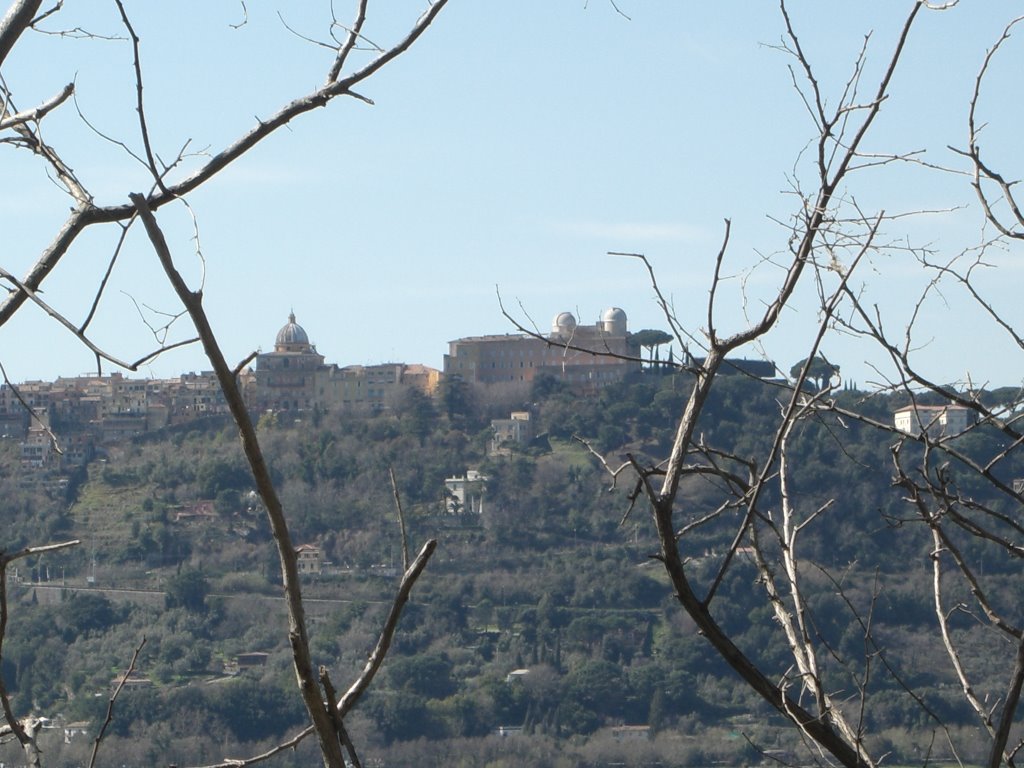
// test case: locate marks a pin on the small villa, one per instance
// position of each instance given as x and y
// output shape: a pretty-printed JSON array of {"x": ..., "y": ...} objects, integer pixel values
[
  {"x": 465, "y": 494},
  {"x": 310, "y": 560},
  {"x": 935, "y": 420}
]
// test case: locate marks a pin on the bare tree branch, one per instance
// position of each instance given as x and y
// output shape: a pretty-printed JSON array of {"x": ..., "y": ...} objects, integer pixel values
[
  {"x": 401, "y": 519},
  {"x": 18, "y": 18},
  {"x": 37, "y": 113},
  {"x": 110, "y": 703},
  {"x": 139, "y": 107},
  {"x": 86, "y": 214},
  {"x": 322, "y": 720}
]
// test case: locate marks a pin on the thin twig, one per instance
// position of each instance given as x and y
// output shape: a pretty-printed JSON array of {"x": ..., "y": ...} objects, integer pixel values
[{"x": 113, "y": 698}]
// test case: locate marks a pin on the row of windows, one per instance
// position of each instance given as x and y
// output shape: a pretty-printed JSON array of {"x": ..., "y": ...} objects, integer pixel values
[
  {"x": 488, "y": 352},
  {"x": 568, "y": 375}
]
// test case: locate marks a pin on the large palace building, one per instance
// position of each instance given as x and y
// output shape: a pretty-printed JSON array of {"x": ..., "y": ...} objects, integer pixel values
[{"x": 586, "y": 357}]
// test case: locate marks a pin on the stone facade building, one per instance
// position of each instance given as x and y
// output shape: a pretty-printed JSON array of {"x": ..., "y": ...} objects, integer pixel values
[
  {"x": 516, "y": 430},
  {"x": 294, "y": 377},
  {"x": 586, "y": 357},
  {"x": 286, "y": 378}
]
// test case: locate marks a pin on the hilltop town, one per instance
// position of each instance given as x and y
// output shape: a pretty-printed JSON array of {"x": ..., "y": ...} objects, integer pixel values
[{"x": 60, "y": 423}]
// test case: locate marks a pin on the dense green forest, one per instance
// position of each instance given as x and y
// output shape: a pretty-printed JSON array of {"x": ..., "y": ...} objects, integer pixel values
[{"x": 545, "y": 618}]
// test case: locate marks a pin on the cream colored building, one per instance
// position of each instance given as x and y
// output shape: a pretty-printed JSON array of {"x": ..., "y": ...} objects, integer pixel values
[
  {"x": 586, "y": 357},
  {"x": 936, "y": 420},
  {"x": 294, "y": 377}
]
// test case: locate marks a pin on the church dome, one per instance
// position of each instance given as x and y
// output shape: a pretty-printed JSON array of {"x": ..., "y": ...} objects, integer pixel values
[{"x": 291, "y": 334}]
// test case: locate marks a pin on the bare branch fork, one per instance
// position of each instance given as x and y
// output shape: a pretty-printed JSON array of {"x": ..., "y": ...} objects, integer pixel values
[
  {"x": 798, "y": 403},
  {"x": 983, "y": 175},
  {"x": 324, "y": 707},
  {"x": 838, "y": 144},
  {"x": 666, "y": 309},
  {"x": 355, "y": 691},
  {"x": 325, "y": 718},
  {"x": 80, "y": 334},
  {"x": 322, "y": 720},
  {"x": 823, "y": 230},
  {"x": 86, "y": 213},
  {"x": 335, "y": 746},
  {"x": 944, "y": 503}
]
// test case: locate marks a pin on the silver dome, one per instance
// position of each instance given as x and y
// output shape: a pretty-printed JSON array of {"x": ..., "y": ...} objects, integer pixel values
[{"x": 291, "y": 334}]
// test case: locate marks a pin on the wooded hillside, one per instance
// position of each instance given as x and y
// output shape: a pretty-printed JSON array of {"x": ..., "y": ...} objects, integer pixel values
[{"x": 544, "y": 617}]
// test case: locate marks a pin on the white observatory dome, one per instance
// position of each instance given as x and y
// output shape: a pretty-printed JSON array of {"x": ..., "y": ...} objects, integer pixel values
[
  {"x": 613, "y": 321},
  {"x": 564, "y": 325}
]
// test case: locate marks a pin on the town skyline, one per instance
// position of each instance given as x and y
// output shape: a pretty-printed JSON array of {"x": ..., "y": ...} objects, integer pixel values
[
  {"x": 567, "y": 155},
  {"x": 61, "y": 423},
  {"x": 669, "y": 350}
]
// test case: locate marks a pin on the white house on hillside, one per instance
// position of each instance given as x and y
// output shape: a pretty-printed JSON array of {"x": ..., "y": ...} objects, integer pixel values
[
  {"x": 936, "y": 420},
  {"x": 465, "y": 494}
]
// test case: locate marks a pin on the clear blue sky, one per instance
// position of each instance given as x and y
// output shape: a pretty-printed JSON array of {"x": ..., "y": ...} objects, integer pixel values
[{"x": 510, "y": 149}]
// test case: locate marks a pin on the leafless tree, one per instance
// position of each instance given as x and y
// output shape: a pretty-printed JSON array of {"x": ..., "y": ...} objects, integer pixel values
[
  {"x": 824, "y": 695},
  {"x": 829, "y": 239},
  {"x": 171, "y": 183}
]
